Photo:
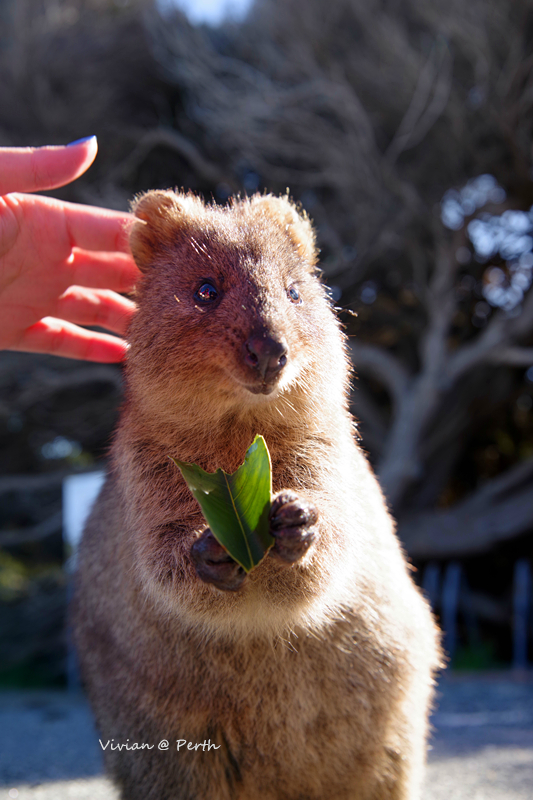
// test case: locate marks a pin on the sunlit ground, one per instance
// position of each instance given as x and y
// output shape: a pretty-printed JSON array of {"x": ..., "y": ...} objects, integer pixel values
[
  {"x": 493, "y": 774},
  {"x": 89, "y": 789},
  {"x": 482, "y": 748}
]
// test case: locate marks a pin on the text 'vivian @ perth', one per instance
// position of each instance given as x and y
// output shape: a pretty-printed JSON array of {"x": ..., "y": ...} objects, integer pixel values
[{"x": 163, "y": 745}]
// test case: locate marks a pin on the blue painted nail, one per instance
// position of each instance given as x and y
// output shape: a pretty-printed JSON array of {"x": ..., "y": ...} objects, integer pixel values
[{"x": 81, "y": 141}]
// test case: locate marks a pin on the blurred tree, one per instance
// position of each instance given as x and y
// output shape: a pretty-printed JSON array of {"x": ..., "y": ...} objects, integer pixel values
[
  {"x": 405, "y": 130},
  {"x": 371, "y": 112}
]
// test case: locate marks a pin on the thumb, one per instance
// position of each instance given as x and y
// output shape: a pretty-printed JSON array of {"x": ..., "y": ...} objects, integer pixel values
[{"x": 35, "y": 169}]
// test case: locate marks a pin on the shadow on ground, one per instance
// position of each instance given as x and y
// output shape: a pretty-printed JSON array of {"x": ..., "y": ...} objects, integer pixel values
[{"x": 46, "y": 736}]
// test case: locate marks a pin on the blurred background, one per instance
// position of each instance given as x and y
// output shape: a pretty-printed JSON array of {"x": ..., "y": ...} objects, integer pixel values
[{"x": 405, "y": 130}]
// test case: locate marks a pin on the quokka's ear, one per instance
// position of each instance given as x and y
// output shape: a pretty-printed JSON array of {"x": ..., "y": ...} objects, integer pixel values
[
  {"x": 296, "y": 223},
  {"x": 161, "y": 216}
]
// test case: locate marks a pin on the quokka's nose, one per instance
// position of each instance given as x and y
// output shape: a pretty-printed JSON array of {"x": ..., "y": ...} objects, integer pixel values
[{"x": 265, "y": 354}]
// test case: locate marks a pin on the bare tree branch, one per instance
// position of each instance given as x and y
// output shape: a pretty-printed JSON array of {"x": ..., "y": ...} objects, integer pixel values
[
  {"x": 32, "y": 483},
  {"x": 495, "y": 343},
  {"x": 513, "y": 356},
  {"x": 480, "y": 350},
  {"x": 371, "y": 418},
  {"x": 422, "y": 112},
  {"x": 382, "y": 365},
  {"x": 53, "y": 383},
  {"x": 522, "y": 324},
  {"x": 172, "y": 139},
  {"x": 501, "y": 510},
  {"x": 42, "y": 530},
  {"x": 441, "y": 303},
  {"x": 418, "y": 400}
]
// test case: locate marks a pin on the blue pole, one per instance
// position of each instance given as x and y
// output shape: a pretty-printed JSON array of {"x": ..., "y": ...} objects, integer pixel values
[
  {"x": 521, "y": 602},
  {"x": 450, "y": 605}
]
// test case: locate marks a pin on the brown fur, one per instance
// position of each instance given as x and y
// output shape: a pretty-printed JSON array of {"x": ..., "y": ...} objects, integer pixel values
[{"x": 314, "y": 679}]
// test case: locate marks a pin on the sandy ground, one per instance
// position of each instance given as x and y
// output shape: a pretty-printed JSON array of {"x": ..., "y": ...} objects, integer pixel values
[{"x": 482, "y": 748}]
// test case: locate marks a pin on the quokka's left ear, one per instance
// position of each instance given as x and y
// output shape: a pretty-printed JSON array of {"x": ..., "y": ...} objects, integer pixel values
[
  {"x": 162, "y": 216},
  {"x": 296, "y": 223}
]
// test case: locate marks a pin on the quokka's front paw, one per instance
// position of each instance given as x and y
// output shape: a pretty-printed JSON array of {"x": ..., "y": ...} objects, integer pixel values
[
  {"x": 214, "y": 565},
  {"x": 291, "y": 525}
]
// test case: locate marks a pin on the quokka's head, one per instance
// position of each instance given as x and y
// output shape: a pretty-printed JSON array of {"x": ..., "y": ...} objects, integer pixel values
[{"x": 230, "y": 301}]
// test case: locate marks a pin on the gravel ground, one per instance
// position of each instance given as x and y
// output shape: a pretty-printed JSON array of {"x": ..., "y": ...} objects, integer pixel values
[{"x": 482, "y": 748}]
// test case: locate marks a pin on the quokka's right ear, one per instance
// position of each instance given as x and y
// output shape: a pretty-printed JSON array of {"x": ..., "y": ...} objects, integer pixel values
[{"x": 161, "y": 215}]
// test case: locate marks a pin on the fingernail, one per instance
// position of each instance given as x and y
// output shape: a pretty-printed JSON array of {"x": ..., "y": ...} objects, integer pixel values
[{"x": 81, "y": 141}]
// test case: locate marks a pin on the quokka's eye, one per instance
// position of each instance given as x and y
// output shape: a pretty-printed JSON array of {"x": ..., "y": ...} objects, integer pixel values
[
  {"x": 207, "y": 293},
  {"x": 293, "y": 294}
]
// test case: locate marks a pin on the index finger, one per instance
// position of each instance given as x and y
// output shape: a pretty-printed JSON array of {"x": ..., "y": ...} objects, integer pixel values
[{"x": 32, "y": 169}]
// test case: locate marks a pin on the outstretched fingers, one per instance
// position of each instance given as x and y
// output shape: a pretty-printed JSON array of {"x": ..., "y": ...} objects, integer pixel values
[{"x": 62, "y": 265}]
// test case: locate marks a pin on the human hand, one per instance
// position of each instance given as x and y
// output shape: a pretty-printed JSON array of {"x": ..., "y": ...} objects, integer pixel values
[{"x": 61, "y": 264}]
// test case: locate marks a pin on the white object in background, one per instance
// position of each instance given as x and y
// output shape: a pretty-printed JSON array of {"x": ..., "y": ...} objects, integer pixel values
[{"x": 79, "y": 494}]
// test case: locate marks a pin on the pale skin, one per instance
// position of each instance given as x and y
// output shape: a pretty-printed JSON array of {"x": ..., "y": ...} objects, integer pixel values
[{"x": 62, "y": 265}]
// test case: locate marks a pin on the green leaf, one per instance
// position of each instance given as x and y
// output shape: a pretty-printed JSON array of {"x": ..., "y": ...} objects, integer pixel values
[{"x": 236, "y": 505}]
